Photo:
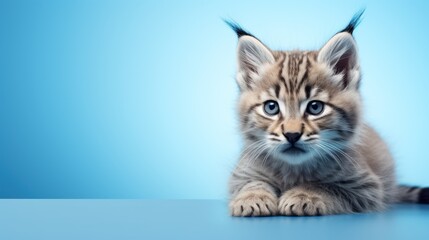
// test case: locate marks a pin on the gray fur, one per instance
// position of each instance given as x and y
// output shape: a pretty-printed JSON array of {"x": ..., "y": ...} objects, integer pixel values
[{"x": 346, "y": 168}]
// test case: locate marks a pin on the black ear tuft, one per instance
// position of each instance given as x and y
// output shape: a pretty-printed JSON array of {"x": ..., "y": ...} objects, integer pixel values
[
  {"x": 237, "y": 29},
  {"x": 357, "y": 18}
]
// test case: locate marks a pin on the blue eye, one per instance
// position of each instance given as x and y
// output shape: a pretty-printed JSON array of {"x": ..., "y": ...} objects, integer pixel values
[
  {"x": 315, "y": 107},
  {"x": 271, "y": 107}
]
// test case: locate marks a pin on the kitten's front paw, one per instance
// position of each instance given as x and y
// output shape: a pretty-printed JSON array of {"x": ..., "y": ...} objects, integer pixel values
[
  {"x": 298, "y": 203},
  {"x": 254, "y": 203}
]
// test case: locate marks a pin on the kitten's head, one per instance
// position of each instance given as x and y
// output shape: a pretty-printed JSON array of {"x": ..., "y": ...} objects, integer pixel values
[{"x": 299, "y": 106}]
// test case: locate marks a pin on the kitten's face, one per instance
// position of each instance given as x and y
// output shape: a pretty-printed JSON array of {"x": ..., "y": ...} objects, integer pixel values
[{"x": 298, "y": 106}]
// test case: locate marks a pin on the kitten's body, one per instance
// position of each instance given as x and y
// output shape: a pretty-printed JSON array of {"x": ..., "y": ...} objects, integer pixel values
[{"x": 337, "y": 164}]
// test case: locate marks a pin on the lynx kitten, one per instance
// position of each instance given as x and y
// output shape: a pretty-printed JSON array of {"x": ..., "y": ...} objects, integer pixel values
[{"x": 307, "y": 149}]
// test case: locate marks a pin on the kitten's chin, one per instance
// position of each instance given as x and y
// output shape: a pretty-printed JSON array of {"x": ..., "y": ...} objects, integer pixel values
[{"x": 295, "y": 156}]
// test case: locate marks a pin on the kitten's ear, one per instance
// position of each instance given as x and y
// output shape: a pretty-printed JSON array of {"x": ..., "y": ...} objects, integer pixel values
[
  {"x": 252, "y": 54},
  {"x": 340, "y": 53}
]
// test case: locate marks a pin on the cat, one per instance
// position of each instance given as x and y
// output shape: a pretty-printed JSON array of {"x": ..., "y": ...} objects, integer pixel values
[{"x": 307, "y": 150}]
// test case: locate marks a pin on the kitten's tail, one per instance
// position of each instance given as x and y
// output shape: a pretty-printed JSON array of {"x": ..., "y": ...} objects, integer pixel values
[{"x": 412, "y": 194}]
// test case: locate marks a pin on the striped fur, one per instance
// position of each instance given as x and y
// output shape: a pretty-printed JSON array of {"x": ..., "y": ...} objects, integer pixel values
[{"x": 342, "y": 166}]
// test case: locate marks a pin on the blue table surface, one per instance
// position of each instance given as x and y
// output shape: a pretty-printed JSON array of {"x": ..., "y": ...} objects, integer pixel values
[{"x": 194, "y": 219}]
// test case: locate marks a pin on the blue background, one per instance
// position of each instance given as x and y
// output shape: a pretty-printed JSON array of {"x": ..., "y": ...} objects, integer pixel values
[{"x": 136, "y": 99}]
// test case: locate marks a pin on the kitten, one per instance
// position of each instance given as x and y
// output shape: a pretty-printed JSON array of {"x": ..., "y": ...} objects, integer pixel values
[{"x": 307, "y": 149}]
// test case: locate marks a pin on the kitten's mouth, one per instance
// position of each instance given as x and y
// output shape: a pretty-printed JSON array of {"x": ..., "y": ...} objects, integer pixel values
[{"x": 293, "y": 150}]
